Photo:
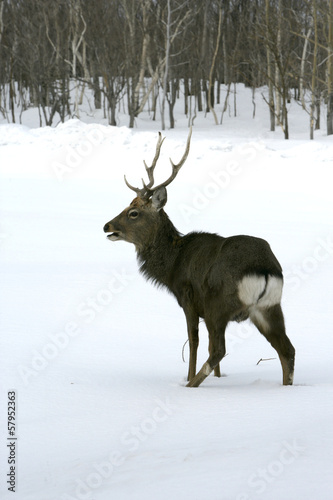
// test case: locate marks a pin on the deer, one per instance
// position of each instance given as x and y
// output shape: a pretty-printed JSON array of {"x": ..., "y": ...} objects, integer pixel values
[{"x": 219, "y": 279}]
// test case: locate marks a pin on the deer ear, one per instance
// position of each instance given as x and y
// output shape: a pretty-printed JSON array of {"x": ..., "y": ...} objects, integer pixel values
[{"x": 159, "y": 198}]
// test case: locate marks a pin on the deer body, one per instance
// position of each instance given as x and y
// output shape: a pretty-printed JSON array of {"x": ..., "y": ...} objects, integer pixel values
[{"x": 214, "y": 278}]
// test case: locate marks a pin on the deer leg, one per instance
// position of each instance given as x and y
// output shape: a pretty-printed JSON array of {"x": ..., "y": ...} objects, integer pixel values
[
  {"x": 270, "y": 323},
  {"x": 217, "y": 371},
  {"x": 217, "y": 352},
  {"x": 192, "y": 320}
]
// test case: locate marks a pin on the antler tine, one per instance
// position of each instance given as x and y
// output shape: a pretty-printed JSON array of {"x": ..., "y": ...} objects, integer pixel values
[
  {"x": 138, "y": 191},
  {"x": 187, "y": 150},
  {"x": 150, "y": 170},
  {"x": 146, "y": 190},
  {"x": 177, "y": 167}
]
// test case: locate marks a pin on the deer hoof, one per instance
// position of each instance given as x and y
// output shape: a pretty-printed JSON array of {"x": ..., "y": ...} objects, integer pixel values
[{"x": 201, "y": 375}]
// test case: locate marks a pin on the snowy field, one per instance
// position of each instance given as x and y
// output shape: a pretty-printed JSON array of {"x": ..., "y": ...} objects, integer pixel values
[{"x": 94, "y": 353}]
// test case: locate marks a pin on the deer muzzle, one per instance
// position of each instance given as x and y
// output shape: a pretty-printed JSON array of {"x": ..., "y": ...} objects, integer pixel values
[{"x": 114, "y": 233}]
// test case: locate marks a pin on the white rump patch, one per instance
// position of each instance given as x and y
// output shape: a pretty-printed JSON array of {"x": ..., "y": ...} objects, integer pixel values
[
  {"x": 273, "y": 293},
  {"x": 252, "y": 287}
]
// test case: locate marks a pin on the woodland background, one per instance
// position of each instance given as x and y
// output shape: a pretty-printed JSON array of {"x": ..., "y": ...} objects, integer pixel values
[{"x": 144, "y": 55}]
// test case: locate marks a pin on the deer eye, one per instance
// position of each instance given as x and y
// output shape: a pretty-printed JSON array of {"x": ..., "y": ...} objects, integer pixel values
[{"x": 133, "y": 214}]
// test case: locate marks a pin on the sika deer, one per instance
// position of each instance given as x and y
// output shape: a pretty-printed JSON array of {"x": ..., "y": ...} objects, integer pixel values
[{"x": 214, "y": 278}]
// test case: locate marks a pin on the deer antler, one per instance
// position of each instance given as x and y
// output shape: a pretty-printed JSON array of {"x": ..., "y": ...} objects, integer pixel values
[
  {"x": 150, "y": 170},
  {"x": 176, "y": 167},
  {"x": 148, "y": 189},
  {"x": 142, "y": 192}
]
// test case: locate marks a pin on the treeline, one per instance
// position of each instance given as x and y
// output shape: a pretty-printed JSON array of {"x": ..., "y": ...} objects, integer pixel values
[{"x": 150, "y": 53}]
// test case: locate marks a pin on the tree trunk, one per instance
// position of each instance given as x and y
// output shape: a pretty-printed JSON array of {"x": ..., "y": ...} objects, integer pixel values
[
  {"x": 269, "y": 74},
  {"x": 285, "y": 110},
  {"x": 314, "y": 71},
  {"x": 301, "y": 80},
  {"x": 278, "y": 110},
  {"x": 330, "y": 72},
  {"x": 226, "y": 72},
  {"x": 211, "y": 81},
  {"x": 186, "y": 95},
  {"x": 97, "y": 93},
  {"x": 174, "y": 84},
  {"x": 166, "y": 68},
  {"x": 112, "y": 107},
  {"x": 143, "y": 61}
]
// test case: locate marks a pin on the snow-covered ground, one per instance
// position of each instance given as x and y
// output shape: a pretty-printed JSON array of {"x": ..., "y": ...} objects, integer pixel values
[{"x": 94, "y": 353}]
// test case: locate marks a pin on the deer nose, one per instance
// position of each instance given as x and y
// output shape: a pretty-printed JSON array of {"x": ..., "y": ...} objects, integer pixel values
[{"x": 106, "y": 227}]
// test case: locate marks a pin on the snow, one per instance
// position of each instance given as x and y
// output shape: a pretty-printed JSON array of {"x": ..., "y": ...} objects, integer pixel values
[{"x": 94, "y": 352}]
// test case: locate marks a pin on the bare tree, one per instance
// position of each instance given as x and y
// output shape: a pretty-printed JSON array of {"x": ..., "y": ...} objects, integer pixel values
[
  {"x": 78, "y": 44},
  {"x": 271, "y": 102},
  {"x": 314, "y": 70},
  {"x": 302, "y": 81},
  {"x": 330, "y": 70},
  {"x": 211, "y": 82},
  {"x": 107, "y": 55},
  {"x": 177, "y": 15}
]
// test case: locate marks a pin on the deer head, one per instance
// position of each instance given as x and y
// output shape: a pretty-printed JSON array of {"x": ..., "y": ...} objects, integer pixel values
[{"x": 138, "y": 223}]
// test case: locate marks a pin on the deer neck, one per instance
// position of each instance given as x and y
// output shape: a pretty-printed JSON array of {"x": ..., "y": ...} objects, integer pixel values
[{"x": 157, "y": 258}]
